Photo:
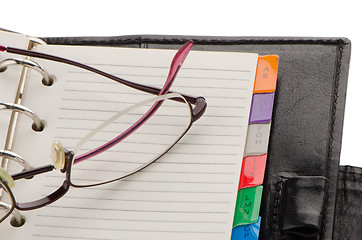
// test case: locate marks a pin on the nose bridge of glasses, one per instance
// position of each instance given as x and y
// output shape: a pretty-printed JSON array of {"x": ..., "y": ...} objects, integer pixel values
[{"x": 45, "y": 200}]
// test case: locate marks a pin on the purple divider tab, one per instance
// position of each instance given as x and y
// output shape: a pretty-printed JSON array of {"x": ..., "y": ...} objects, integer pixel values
[{"x": 261, "y": 108}]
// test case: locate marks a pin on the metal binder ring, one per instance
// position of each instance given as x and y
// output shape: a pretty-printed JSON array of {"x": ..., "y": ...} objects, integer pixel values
[
  {"x": 16, "y": 157},
  {"x": 18, "y": 219},
  {"x": 48, "y": 79},
  {"x": 38, "y": 124}
]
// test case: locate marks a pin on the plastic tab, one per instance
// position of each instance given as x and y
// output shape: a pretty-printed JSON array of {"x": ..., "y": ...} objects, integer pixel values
[
  {"x": 252, "y": 171},
  {"x": 261, "y": 108},
  {"x": 266, "y": 74},
  {"x": 246, "y": 232},
  {"x": 247, "y": 206},
  {"x": 257, "y": 139}
]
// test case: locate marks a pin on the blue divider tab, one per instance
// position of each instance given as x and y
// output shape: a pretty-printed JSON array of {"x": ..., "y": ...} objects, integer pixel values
[{"x": 246, "y": 232}]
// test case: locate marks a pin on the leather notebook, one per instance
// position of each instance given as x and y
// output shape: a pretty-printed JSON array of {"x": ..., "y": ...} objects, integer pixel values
[
  {"x": 301, "y": 197},
  {"x": 306, "y": 193}
]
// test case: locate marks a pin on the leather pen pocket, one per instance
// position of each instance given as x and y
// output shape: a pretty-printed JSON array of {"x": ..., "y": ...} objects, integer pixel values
[{"x": 301, "y": 205}]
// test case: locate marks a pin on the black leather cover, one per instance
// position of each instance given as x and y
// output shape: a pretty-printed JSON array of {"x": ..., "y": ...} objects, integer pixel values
[
  {"x": 348, "y": 217},
  {"x": 301, "y": 198}
]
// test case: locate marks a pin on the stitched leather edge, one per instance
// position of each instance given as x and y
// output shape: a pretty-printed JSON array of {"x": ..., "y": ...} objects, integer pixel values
[
  {"x": 332, "y": 118},
  {"x": 155, "y": 39},
  {"x": 331, "y": 167},
  {"x": 277, "y": 207}
]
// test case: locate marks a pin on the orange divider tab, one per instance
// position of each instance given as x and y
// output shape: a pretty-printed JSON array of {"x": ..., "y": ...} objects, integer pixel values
[{"x": 266, "y": 74}]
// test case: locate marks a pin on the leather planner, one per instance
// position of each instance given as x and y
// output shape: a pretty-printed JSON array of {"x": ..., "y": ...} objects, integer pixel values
[{"x": 305, "y": 193}]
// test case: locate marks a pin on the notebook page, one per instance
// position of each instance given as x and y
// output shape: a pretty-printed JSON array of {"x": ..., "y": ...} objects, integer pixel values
[{"x": 188, "y": 194}]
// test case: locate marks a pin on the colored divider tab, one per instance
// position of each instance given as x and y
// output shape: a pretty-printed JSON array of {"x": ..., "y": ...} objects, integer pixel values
[
  {"x": 261, "y": 108},
  {"x": 252, "y": 171},
  {"x": 247, "y": 205},
  {"x": 246, "y": 232},
  {"x": 257, "y": 139},
  {"x": 266, "y": 74}
]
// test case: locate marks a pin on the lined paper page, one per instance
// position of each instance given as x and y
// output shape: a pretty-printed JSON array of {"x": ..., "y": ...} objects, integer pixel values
[{"x": 187, "y": 194}]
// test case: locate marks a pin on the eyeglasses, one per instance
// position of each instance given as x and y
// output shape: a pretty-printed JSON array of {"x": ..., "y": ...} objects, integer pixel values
[{"x": 142, "y": 134}]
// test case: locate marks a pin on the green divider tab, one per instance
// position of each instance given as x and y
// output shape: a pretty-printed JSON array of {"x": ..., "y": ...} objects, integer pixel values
[{"x": 247, "y": 205}]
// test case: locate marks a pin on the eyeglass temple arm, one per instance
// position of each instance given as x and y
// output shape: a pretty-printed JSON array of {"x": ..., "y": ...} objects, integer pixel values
[
  {"x": 200, "y": 101},
  {"x": 144, "y": 88},
  {"x": 33, "y": 172}
]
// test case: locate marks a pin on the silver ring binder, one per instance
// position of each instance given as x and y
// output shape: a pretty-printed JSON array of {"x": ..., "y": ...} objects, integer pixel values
[
  {"x": 47, "y": 80},
  {"x": 17, "y": 108},
  {"x": 18, "y": 219},
  {"x": 15, "y": 157},
  {"x": 38, "y": 124}
]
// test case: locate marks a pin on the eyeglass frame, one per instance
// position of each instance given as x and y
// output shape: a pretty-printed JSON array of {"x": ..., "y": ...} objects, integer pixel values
[
  {"x": 12, "y": 198},
  {"x": 196, "y": 113}
]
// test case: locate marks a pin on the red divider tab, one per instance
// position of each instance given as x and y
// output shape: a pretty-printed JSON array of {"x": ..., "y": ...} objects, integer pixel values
[{"x": 252, "y": 171}]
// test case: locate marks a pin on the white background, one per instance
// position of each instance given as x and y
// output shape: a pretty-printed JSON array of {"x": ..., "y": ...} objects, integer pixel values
[{"x": 218, "y": 18}]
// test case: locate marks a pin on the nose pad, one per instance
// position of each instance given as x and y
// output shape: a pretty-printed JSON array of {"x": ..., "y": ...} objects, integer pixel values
[{"x": 58, "y": 155}]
